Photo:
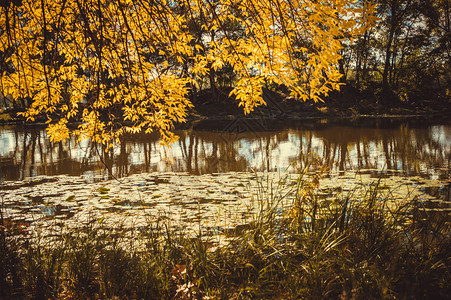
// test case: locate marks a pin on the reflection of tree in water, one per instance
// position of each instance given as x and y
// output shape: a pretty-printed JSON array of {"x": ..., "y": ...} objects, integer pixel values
[
  {"x": 411, "y": 150},
  {"x": 207, "y": 153},
  {"x": 34, "y": 154}
]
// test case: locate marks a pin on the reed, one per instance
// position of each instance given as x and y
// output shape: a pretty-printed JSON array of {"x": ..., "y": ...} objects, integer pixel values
[{"x": 298, "y": 245}]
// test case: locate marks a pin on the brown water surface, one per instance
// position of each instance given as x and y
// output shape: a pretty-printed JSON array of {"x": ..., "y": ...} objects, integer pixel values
[{"x": 404, "y": 146}]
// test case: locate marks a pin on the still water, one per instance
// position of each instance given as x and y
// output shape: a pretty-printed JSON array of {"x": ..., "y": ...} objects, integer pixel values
[{"x": 408, "y": 146}]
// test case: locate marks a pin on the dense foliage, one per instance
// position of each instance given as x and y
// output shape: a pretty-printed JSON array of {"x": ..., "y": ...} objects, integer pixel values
[
  {"x": 106, "y": 62},
  {"x": 117, "y": 66}
]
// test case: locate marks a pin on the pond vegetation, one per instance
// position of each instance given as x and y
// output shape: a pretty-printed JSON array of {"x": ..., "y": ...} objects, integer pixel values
[{"x": 302, "y": 239}]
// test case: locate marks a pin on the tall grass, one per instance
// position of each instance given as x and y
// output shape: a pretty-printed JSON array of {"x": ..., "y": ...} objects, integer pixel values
[{"x": 299, "y": 245}]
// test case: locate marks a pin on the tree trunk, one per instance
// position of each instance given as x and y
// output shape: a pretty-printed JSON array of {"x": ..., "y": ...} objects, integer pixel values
[
  {"x": 388, "y": 52},
  {"x": 213, "y": 88},
  {"x": 212, "y": 75},
  {"x": 360, "y": 57},
  {"x": 387, "y": 66}
]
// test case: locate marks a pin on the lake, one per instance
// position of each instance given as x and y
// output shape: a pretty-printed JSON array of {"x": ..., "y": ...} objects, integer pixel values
[
  {"x": 410, "y": 147},
  {"x": 204, "y": 177}
]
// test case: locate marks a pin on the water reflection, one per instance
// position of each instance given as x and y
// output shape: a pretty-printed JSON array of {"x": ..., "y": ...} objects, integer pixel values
[{"x": 409, "y": 146}]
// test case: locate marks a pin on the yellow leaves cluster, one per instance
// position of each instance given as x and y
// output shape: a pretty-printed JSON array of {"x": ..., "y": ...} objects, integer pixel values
[
  {"x": 59, "y": 131},
  {"x": 86, "y": 60},
  {"x": 295, "y": 43},
  {"x": 249, "y": 93}
]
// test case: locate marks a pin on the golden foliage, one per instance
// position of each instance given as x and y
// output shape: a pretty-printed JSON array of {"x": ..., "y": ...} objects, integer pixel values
[{"x": 85, "y": 60}]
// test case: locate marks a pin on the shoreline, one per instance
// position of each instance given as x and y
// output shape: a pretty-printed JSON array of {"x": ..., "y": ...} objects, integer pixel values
[
  {"x": 192, "y": 120},
  {"x": 343, "y": 105}
]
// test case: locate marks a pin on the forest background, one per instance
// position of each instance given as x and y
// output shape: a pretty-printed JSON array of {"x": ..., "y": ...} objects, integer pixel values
[{"x": 130, "y": 66}]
